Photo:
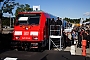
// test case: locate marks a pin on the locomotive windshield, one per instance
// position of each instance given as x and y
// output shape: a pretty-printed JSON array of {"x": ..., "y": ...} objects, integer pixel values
[{"x": 28, "y": 19}]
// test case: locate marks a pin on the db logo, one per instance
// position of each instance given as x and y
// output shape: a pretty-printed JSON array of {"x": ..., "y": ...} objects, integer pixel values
[{"x": 26, "y": 33}]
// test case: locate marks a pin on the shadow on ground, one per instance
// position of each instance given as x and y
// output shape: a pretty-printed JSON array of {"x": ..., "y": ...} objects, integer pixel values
[
  {"x": 46, "y": 55},
  {"x": 5, "y": 40}
]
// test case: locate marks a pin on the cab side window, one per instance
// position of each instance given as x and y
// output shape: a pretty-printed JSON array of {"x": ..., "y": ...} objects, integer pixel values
[{"x": 48, "y": 21}]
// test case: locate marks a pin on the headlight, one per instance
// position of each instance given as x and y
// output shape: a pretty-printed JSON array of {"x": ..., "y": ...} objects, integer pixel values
[
  {"x": 34, "y": 33},
  {"x": 17, "y": 37},
  {"x": 26, "y": 28},
  {"x": 34, "y": 37},
  {"x": 18, "y": 33}
]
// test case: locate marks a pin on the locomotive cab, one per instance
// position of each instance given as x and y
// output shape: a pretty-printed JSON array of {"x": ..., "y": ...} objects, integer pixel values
[{"x": 29, "y": 30}]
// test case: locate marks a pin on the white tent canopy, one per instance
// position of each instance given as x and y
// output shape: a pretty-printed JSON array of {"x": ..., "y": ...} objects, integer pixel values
[{"x": 87, "y": 22}]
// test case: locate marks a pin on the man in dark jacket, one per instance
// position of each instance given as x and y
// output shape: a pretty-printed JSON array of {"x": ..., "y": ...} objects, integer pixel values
[
  {"x": 58, "y": 22},
  {"x": 52, "y": 23}
]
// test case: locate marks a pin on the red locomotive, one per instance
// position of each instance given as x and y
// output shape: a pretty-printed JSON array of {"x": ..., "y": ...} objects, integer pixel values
[{"x": 31, "y": 30}]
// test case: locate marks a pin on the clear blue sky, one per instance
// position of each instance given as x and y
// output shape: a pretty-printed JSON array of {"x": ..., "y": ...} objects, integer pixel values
[{"x": 62, "y": 8}]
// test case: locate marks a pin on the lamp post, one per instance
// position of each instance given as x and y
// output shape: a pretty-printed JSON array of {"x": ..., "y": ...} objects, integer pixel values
[
  {"x": 13, "y": 21},
  {"x": 10, "y": 21}
]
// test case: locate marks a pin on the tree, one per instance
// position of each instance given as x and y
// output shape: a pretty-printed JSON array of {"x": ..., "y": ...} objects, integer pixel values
[
  {"x": 1, "y": 0},
  {"x": 8, "y": 6},
  {"x": 1, "y": 16},
  {"x": 72, "y": 20},
  {"x": 5, "y": 21},
  {"x": 1, "y": 9},
  {"x": 67, "y": 19},
  {"x": 22, "y": 8}
]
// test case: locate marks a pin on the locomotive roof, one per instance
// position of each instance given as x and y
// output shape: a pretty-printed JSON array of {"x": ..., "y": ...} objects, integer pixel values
[
  {"x": 33, "y": 12},
  {"x": 36, "y": 12},
  {"x": 39, "y": 12}
]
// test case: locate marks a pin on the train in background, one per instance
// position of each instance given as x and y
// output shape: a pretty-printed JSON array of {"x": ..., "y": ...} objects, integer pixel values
[{"x": 31, "y": 30}]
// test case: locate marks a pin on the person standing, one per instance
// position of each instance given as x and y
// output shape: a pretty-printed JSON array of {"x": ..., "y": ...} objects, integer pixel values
[
  {"x": 88, "y": 38},
  {"x": 58, "y": 25},
  {"x": 79, "y": 38},
  {"x": 58, "y": 21},
  {"x": 64, "y": 40},
  {"x": 52, "y": 23},
  {"x": 70, "y": 38},
  {"x": 74, "y": 37}
]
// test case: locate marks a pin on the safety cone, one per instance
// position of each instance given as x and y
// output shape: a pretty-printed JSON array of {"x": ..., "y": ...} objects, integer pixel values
[{"x": 84, "y": 47}]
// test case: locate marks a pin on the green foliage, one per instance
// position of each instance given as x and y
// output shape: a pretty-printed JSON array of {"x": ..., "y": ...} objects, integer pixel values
[
  {"x": 1, "y": 0},
  {"x": 22, "y": 8},
  {"x": 87, "y": 19},
  {"x": 6, "y": 21},
  {"x": 72, "y": 20},
  {"x": 8, "y": 6}
]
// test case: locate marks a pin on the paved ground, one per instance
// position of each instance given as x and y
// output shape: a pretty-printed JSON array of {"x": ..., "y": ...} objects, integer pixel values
[
  {"x": 79, "y": 51},
  {"x": 45, "y": 55}
]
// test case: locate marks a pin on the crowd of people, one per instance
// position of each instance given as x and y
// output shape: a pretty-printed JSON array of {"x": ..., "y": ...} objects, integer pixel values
[
  {"x": 76, "y": 36},
  {"x": 84, "y": 34}
]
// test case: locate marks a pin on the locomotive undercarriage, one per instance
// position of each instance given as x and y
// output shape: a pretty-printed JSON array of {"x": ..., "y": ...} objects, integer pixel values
[{"x": 28, "y": 46}]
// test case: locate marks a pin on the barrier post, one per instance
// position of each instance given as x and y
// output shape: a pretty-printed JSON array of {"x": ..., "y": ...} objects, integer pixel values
[
  {"x": 84, "y": 47},
  {"x": 73, "y": 50}
]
